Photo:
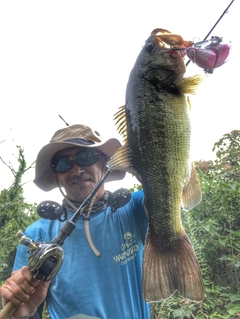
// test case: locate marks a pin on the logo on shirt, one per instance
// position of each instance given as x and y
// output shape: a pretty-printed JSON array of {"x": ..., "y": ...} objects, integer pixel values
[{"x": 129, "y": 248}]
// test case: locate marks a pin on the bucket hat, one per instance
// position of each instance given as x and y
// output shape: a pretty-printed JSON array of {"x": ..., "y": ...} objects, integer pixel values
[{"x": 72, "y": 136}]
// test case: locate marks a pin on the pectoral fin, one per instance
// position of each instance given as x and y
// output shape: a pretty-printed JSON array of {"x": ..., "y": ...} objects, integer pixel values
[
  {"x": 190, "y": 84},
  {"x": 192, "y": 193},
  {"x": 121, "y": 161}
]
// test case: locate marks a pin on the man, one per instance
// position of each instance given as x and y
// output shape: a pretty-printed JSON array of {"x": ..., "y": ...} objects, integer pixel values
[{"x": 108, "y": 287}]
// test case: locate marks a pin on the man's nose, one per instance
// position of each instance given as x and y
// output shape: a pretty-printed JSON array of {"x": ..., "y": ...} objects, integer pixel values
[{"x": 77, "y": 169}]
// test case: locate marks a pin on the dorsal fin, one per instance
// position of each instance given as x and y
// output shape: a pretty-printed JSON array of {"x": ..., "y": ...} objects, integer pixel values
[{"x": 120, "y": 118}]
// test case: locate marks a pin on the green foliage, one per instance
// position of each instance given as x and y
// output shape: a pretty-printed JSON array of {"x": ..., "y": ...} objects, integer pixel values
[
  {"x": 214, "y": 229},
  {"x": 136, "y": 187},
  {"x": 15, "y": 214}
]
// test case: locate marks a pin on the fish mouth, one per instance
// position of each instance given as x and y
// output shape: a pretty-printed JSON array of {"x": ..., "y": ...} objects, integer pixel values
[{"x": 168, "y": 40}]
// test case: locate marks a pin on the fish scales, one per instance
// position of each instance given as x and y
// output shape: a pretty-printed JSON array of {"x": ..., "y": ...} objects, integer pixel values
[
  {"x": 160, "y": 155},
  {"x": 156, "y": 127}
]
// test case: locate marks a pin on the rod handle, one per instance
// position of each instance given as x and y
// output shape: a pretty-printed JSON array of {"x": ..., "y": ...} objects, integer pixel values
[{"x": 7, "y": 310}]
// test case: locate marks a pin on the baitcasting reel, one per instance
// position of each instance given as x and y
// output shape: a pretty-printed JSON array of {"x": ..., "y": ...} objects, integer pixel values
[{"x": 45, "y": 259}]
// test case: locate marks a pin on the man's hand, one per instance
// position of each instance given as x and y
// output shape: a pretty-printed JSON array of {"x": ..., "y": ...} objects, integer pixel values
[{"x": 25, "y": 292}]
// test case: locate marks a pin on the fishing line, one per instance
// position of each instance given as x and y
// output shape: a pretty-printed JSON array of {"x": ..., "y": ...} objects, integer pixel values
[{"x": 224, "y": 12}]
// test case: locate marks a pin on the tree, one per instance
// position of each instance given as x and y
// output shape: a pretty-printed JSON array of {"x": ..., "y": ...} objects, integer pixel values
[{"x": 15, "y": 214}]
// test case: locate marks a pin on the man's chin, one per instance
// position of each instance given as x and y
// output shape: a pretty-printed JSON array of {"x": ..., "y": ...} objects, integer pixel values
[{"x": 79, "y": 192}]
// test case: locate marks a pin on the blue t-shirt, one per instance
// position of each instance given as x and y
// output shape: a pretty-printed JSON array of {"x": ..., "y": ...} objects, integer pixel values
[{"x": 109, "y": 287}]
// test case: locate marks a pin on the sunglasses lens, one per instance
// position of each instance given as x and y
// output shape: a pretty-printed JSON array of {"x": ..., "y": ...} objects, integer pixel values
[
  {"x": 63, "y": 164},
  {"x": 86, "y": 158}
]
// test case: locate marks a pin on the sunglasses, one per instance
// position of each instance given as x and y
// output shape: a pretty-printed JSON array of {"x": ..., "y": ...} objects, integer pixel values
[{"x": 84, "y": 158}]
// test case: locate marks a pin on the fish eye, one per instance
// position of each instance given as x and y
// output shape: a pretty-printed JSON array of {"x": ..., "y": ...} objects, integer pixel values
[{"x": 149, "y": 47}]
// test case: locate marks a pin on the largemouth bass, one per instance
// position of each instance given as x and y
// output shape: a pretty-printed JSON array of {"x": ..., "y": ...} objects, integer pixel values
[{"x": 156, "y": 128}]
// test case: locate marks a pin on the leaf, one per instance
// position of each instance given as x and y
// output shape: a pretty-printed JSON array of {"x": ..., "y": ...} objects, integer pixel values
[
  {"x": 207, "y": 227},
  {"x": 223, "y": 240},
  {"x": 234, "y": 298},
  {"x": 177, "y": 313}
]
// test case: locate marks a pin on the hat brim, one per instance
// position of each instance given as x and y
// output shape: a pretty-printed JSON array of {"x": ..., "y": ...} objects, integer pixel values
[{"x": 44, "y": 177}]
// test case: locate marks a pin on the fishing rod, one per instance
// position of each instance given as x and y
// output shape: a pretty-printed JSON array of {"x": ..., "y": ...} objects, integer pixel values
[
  {"x": 63, "y": 120},
  {"x": 224, "y": 12}
]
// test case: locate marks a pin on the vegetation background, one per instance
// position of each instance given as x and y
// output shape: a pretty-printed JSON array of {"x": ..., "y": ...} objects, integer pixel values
[{"x": 213, "y": 227}]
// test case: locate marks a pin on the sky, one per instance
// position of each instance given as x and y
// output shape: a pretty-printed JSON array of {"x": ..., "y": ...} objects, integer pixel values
[{"x": 73, "y": 58}]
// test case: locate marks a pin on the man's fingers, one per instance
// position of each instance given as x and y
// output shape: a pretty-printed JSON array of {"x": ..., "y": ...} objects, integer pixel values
[
  {"x": 8, "y": 295},
  {"x": 19, "y": 287},
  {"x": 17, "y": 293}
]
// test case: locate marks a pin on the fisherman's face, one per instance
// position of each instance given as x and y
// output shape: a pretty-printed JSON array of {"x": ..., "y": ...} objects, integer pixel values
[{"x": 79, "y": 181}]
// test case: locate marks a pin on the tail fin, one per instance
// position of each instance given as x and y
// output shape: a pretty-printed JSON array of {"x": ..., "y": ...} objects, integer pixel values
[{"x": 170, "y": 269}]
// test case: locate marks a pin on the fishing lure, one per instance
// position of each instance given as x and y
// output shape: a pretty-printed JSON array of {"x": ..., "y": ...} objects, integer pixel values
[{"x": 209, "y": 54}]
